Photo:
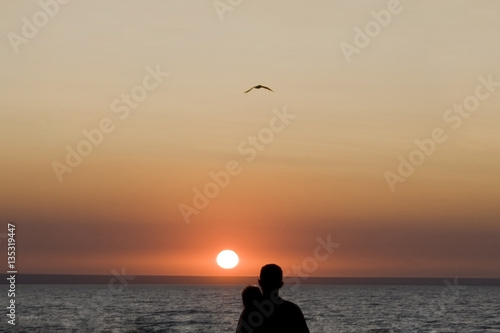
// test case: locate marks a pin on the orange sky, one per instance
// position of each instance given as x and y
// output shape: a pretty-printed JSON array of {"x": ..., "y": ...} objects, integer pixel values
[{"x": 159, "y": 87}]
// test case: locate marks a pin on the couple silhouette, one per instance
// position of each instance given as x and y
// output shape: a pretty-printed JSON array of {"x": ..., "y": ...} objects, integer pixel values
[{"x": 266, "y": 311}]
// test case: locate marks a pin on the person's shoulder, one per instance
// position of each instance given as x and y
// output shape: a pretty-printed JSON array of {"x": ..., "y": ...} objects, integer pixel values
[
  {"x": 290, "y": 306},
  {"x": 292, "y": 318}
]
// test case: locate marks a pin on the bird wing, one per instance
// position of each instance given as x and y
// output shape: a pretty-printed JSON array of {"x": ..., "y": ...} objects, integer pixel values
[
  {"x": 267, "y": 88},
  {"x": 249, "y": 90}
]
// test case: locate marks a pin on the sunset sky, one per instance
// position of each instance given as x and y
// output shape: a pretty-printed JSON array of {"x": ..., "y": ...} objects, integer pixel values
[{"x": 115, "y": 116}]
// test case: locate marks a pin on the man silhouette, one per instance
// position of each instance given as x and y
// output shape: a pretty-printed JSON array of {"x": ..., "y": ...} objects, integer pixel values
[{"x": 273, "y": 314}]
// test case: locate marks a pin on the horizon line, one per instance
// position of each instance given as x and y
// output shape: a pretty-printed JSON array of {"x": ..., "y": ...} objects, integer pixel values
[{"x": 23, "y": 278}]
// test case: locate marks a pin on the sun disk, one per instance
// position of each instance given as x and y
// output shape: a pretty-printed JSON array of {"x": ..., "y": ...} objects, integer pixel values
[{"x": 227, "y": 259}]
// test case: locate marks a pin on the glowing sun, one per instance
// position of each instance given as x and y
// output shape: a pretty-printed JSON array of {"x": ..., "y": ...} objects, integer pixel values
[{"x": 227, "y": 259}]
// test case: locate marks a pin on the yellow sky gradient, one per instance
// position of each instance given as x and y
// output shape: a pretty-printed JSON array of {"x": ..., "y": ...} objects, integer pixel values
[{"x": 323, "y": 173}]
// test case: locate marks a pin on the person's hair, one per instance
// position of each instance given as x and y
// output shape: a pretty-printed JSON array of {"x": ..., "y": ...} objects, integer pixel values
[
  {"x": 271, "y": 276},
  {"x": 250, "y": 294}
]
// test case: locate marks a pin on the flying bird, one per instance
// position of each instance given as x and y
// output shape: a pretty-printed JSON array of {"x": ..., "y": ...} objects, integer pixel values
[{"x": 258, "y": 87}]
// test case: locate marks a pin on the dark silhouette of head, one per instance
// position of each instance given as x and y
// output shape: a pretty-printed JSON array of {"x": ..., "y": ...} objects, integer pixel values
[
  {"x": 271, "y": 278},
  {"x": 249, "y": 295}
]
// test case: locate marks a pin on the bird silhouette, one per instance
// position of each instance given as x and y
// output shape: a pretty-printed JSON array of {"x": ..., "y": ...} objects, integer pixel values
[{"x": 258, "y": 87}]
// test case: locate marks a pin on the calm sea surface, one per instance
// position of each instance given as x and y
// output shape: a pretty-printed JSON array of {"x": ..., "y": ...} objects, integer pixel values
[{"x": 174, "y": 308}]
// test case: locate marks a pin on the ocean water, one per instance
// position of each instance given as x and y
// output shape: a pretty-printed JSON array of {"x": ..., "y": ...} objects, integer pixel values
[{"x": 215, "y": 308}]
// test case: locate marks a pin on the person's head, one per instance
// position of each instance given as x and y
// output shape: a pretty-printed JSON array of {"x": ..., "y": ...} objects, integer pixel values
[
  {"x": 271, "y": 278},
  {"x": 251, "y": 294}
]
